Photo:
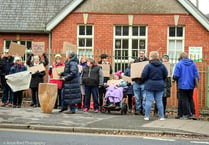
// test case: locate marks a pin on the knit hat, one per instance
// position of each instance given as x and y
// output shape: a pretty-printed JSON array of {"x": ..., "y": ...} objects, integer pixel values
[
  {"x": 119, "y": 73},
  {"x": 58, "y": 56},
  {"x": 17, "y": 58},
  {"x": 165, "y": 56},
  {"x": 103, "y": 56}
]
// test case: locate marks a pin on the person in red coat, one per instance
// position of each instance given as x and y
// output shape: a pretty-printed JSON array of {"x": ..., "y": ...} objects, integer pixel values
[{"x": 58, "y": 63}]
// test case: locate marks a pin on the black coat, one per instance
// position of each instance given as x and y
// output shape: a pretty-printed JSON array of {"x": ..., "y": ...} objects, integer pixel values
[
  {"x": 6, "y": 64},
  {"x": 71, "y": 85}
]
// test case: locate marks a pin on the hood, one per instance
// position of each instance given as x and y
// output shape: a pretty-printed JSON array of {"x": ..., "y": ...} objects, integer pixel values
[
  {"x": 187, "y": 61},
  {"x": 74, "y": 58},
  {"x": 155, "y": 62}
]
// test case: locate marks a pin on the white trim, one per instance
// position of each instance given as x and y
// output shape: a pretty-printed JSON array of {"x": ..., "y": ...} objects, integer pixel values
[
  {"x": 198, "y": 15},
  {"x": 58, "y": 18}
]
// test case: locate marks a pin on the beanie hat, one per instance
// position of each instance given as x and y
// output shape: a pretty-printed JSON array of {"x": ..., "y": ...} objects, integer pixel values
[
  {"x": 103, "y": 56},
  {"x": 17, "y": 58},
  {"x": 119, "y": 73},
  {"x": 58, "y": 56},
  {"x": 165, "y": 56}
]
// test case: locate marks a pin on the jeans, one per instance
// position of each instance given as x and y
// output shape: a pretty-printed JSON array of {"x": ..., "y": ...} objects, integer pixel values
[
  {"x": 102, "y": 92},
  {"x": 94, "y": 91},
  {"x": 164, "y": 99},
  {"x": 72, "y": 107},
  {"x": 35, "y": 98},
  {"x": 150, "y": 96},
  {"x": 139, "y": 94},
  {"x": 6, "y": 92}
]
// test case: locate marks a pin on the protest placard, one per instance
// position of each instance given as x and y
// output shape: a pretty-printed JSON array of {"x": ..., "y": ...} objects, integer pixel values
[
  {"x": 137, "y": 69},
  {"x": 127, "y": 79},
  {"x": 17, "y": 49},
  {"x": 168, "y": 67},
  {"x": 113, "y": 82},
  {"x": 38, "y": 48},
  {"x": 69, "y": 46},
  {"x": 34, "y": 69},
  {"x": 105, "y": 69},
  {"x": 56, "y": 72}
]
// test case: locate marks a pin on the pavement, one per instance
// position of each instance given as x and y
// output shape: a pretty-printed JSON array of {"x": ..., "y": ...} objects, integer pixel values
[{"x": 105, "y": 123}]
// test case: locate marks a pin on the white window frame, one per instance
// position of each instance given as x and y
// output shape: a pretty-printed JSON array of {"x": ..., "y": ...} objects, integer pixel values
[
  {"x": 85, "y": 37},
  {"x": 175, "y": 38},
  {"x": 130, "y": 37}
]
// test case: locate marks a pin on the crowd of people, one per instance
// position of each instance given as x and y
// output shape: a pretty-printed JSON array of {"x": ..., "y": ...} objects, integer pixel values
[{"x": 75, "y": 87}]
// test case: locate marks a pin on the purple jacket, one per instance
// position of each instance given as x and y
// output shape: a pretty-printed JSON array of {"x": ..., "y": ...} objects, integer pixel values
[{"x": 115, "y": 94}]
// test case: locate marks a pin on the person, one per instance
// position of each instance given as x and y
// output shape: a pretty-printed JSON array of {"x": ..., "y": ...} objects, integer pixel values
[
  {"x": 7, "y": 62},
  {"x": 154, "y": 75},
  {"x": 102, "y": 89},
  {"x": 115, "y": 93},
  {"x": 138, "y": 87},
  {"x": 83, "y": 62},
  {"x": 58, "y": 63},
  {"x": 71, "y": 83},
  {"x": 167, "y": 89},
  {"x": 17, "y": 67},
  {"x": 92, "y": 78},
  {"x": 186, "y": 73},
  {"x": 37, "y": 77},
  {"x": 130, "y": 92}
]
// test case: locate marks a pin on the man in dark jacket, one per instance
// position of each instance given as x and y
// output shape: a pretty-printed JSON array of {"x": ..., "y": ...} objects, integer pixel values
[
  {"x": 154, "y": 75},
  {"x": 138, "y": 87},
  {"x": 102, "y": 89},
  {"x": 186, "y": 73},
  {"x": 92, "y": 78},
  {"x": 7, "y": 63},
  {"x": 71, "y": 83}
]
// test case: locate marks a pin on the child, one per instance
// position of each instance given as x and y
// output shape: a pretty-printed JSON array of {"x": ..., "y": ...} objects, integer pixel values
[
  {"x": 18, "y": 67},
  {"x": 92, "y": 78},
  {"x": 114, "y": 93},
  {"x": 58, "y": 63}
]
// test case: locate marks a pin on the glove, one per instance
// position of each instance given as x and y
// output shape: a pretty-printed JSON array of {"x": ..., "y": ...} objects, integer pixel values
[
  {"x": 44, "y": 54},
  {"x": 31, "y": 55},
  {"x": 50, "y": 68}
]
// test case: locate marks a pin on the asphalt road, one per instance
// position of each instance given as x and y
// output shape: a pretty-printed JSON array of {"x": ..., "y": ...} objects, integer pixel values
[{"x": 24, "y": 137}]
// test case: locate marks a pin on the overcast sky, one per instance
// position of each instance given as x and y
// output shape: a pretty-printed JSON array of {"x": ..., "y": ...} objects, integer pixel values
[{"x": 203, "y": 5}]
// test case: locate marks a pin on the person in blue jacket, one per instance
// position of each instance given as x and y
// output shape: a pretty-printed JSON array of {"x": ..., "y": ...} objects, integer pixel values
[
  {"x": 154, "y": 75},
  {"x": 186, "y": 73},
  {"x": 17, "y": 67}
]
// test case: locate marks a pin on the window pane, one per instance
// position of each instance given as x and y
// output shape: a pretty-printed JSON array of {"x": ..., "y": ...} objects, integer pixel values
[
  {"x": 125, "y": 54},
  {"x": 134, "y": 44},
  {"x": 117, "y": 67},
  {"x": 171, "y": 49},
  {"x": 142, "y": 44},
  {"x": 118, "y": 43},
  {"x": 22, "y": 42},
  {"x": 179, "y": 45},
  {"x": 117, "y": 54},
  {"x": 8, "y": 44},
  {"x": 29, "y": 45},
  {"x": 171, "y": 31},
  {"x": 135, "y": 53},
  {"x": 142, "y": 31},
  {"x": 82, "y": 42},
  {"x": 179, "y": 31},
  {"x": 118, "y": 30},
  {"x": 89, "y": 42},
  {"x": 89, "y": 30},
  {"x": 135, "y": 31},
  {"x": 125, "y": 44},
  {"x": 81, "y": 30},
  {"x": 125, "y": 31}
]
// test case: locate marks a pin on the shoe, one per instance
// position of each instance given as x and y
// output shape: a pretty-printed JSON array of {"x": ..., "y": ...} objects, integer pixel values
[
  {"x": 69, "y": 112},
  {"x": 178, "y": 117},
  {"x": 3, "y": 105},
  {"x": 18, "y": 106},
  {"x": 7, "y": 103},
  {"x": 10, "y": 105},
  {"x": 142, "y": 113},
  {"x": 146, "y": 118},
  {"x": 194, "y": 117},
  {"x": 137, "y": 112},
  {"x": 86, "y": 110},
  {"x": 14, "y": 106},
  {"x": 162, "y": 119},
  {"x": 184, "y": 117},
  {"x": 63, "y": 109},
  {"x": 31, "y": 105},
  {"x": 96, "y": 111}
]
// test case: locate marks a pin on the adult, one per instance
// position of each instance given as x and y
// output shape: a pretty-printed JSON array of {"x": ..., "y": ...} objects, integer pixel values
[
  {"x": 102, "y": 89},
  {"x": 138, "y": 87},
  {"x": 186, "y": 73},
  {"x": 71, "y": 83},
  {"x": 154, "y": 75},
  {"x": 7, "y": 62},
  {"x": 37, "y": 77}
]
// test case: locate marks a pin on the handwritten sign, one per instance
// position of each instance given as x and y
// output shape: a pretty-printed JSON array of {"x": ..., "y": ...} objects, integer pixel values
[
  {"x": 17, "y": 49},
  {"x": 56, "y": 71},
  {"x": 127, "y": 79},
  {"x": 69, "y": 46},
  {"x": 113, "y": 82},
  {"x": 137, "y": 68},
  {"x": 38, "y": 48},
  {"x": 168, "y": 67},
  {"x": 105, "y": 69},
  {"x": 36, "y": 68}
]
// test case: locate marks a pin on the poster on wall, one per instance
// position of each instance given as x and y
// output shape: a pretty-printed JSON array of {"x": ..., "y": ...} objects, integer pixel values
[
  {"x": 38, "y": 48},
  {"x": 195, "y": 53}
]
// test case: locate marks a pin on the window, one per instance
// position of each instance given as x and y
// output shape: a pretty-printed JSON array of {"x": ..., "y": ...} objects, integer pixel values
[
  {"x": 128, "y": 40},
  {"x": 85, "y": 40},
  {"x": 28, "y": 45},
  {"x": 175, "y": 42}
]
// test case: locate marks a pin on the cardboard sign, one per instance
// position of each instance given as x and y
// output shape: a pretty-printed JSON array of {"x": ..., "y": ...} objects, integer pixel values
[
  {"x": 17, "y": 49},
  {"x": 137, "y": 68},
  {"x": 127, "y": 79},
  {"x": 36, "y": 68},
  {"x": 56, "y": 71},
  {"x": 105, "y": 69},
  {"x": 69, "y": 46},
  {"x": 168, "y": 67},
  {"x": 113, "y": 82},
  {"x": 38, "y": 48}
]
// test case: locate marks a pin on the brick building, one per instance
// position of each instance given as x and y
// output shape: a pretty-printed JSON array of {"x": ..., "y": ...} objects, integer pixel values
[{"x": 119, "y": 27}]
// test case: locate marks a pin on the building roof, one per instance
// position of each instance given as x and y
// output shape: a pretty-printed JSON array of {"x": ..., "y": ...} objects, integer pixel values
[{"x": 28, "y": 15}]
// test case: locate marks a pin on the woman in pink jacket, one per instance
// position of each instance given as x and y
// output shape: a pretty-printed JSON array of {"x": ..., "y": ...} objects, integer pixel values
[{"x": 58, "y": 63}]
